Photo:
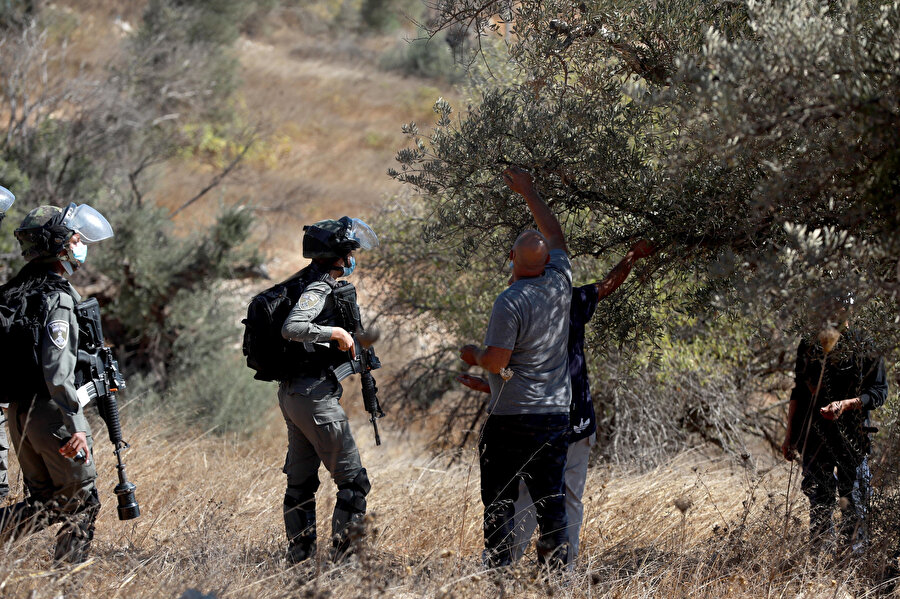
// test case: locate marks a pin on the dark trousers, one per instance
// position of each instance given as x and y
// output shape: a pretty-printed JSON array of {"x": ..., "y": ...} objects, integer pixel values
[
  {"x": 532, "y": 448},
  {"x": 827, "y": 477}
]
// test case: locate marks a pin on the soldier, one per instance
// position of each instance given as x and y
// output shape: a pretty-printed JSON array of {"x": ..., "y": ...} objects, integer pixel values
[
  {"x": 6, "y": 201},
  {"x": 320, "y": 325},
  {"x": 839, "y": 379},
  {"x": 46, "y": 419}
]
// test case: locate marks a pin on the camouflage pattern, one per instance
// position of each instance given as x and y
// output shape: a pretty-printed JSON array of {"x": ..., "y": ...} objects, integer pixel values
[{"x": 34, "y": 241}]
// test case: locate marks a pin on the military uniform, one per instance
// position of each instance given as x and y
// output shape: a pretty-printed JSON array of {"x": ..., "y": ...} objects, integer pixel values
[
  {"x": 318, "y": 431},
  {"x": 60, "y": 489},
  {"x": 41, "y": 336}
]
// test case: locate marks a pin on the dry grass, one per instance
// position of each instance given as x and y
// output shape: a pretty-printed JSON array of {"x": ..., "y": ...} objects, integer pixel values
[
  {"x": 211, "y": 506},
  {"x": 211, "y": 520}
]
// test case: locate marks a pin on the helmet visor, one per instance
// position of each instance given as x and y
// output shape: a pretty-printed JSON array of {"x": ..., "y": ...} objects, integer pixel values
[
  {"x": 6, "y": 199},
  {"x": 363, "y": 234},
  {"x": 90, "y": 224}
]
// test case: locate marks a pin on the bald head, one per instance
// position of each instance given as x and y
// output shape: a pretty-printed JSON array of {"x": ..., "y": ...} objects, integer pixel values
[{"x": 530, "y": 254}]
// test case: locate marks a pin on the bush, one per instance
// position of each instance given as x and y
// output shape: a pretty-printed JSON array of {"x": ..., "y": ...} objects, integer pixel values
[
  {"x": 95, "y": 139},
  {"x": 426, "y": 56}
]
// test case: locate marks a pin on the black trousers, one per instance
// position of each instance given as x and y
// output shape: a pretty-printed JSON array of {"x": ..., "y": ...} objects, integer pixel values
[{"x": 532, "y": 448}]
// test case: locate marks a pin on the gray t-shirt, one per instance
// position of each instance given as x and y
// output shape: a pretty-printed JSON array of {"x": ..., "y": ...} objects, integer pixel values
[{"x": 531, "y": 317}]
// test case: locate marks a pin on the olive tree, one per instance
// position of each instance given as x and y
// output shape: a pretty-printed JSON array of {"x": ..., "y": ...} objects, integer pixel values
[{"x": 756, "y": 145}]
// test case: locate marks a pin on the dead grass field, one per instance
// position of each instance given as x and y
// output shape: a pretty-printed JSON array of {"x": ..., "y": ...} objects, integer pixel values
[
  {"x": 211, "y": 521},
  {"x": 211, "y": 505}
]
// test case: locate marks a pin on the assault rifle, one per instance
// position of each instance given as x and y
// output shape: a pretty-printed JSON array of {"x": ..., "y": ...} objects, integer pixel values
[
  {"x": 363, "y": 364},
  {"x": 104, "y": 383}
]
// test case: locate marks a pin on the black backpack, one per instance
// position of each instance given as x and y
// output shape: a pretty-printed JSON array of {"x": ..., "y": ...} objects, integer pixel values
[
  {"x": 267, "y": 352},
  {"x": 22, "y": 319}
]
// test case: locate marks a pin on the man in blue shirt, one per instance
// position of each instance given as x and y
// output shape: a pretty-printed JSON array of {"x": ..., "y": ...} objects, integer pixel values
[{"x": 582, "y": 419}]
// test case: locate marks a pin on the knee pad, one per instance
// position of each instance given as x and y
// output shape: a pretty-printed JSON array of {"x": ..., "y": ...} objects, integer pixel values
[
  {"x": 298, "y": 494},
  {"x": 349, "y": 509},
  {"x": 360, "y": 483},
  {"x": 351, "y": 500}
]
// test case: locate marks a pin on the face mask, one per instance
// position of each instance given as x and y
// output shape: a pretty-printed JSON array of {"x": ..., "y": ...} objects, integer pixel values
[
  {"x": 510, "y": 266},
  {"x": 79, "y": 252},
  {"x": 75, "y": 258},
  {"x": 348, "y": 270}
]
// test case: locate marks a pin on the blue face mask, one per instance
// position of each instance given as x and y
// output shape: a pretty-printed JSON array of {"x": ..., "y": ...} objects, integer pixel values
[
  {"x": 79, "y": 252},
  {"x": 348, "y": 270}
]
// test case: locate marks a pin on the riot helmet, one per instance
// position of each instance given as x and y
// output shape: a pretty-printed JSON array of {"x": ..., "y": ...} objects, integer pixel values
[
  {"x": 337, "y": 238},
  {"x": 6, "y": 200},
  {"x": 45, "y": 233}
]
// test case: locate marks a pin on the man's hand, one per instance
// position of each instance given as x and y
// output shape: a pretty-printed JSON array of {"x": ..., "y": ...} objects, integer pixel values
[
  {"x": 468, "y": 354},
  {"x": 76, "y": 443},
  {"x": 642, "y": 249},
  {"x": 344, "y": 340},
  {"x": 834, "y": 410},
  {"x": 474, "y": 382},
  {"x": 787, "y": 449},
  {"x": 519, "y": 180}
]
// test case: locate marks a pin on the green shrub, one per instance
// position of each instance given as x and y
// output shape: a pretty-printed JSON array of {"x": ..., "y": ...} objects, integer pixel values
[{"x": 428, "y": 57}]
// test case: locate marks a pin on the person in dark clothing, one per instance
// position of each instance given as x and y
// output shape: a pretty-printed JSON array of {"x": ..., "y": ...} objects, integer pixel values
[
  {"x": 836, "y": 386},
  {"x": 320, "y": 327},
  {"x": 582, "y": 419}
]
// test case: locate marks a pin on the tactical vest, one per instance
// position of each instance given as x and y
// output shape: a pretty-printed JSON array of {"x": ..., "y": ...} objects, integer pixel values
[
  {"x": 277, "y": 359},
  {"x": 342, "y": 311},
  {"x": 22, "y": 322}
]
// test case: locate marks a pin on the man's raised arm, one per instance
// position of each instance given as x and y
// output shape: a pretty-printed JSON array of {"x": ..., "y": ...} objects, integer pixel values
[
  {"x": 620, "y": 272},
  {"x": 521, "y": 182}
]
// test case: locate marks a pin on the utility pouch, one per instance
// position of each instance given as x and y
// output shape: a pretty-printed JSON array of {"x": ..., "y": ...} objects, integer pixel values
[
  {"x": 345, "y": 299},
  {"x": 90, "y": 329}
]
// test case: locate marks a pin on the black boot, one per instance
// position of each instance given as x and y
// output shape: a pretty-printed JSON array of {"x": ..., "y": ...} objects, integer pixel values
[
  {"x": 73, "y": 541},
  {"x": 349, "y": 509},
  {"x": 300, "y": 520}
]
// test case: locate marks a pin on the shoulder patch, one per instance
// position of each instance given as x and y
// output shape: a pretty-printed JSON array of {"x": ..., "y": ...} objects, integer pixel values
[
  {"x": 307, "y": 301},
  {"x": 59, "y": 332}
]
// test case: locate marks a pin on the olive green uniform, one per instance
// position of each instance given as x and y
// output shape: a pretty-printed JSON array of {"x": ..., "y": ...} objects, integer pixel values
[
  {"x": 318, "y": 431},
  {"x": 60, "y": 489}
]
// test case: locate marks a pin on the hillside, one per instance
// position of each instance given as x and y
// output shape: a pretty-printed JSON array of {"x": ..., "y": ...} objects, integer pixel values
[
  {"x": 705, "y": 525},
  {"x": 329, "y": 122}
]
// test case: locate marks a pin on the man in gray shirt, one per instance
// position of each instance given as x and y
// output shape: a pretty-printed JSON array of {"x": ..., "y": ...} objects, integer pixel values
[{"x": 525, "y": 355}]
